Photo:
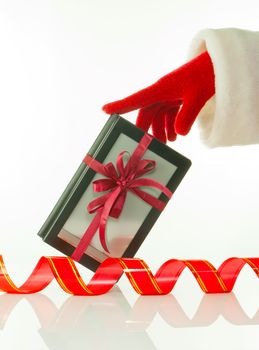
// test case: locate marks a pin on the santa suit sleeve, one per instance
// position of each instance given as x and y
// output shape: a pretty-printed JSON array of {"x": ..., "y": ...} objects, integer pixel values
[{"x": 231, "y": 116}]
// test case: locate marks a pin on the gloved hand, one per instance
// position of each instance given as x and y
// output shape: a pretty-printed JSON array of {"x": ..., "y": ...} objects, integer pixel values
[{"x": 171, "y": 105}]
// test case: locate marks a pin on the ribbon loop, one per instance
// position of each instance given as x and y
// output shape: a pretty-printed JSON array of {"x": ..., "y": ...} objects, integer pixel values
[
  {"x": 103, "y": 185},
  {"x": 120, "y": 163}
]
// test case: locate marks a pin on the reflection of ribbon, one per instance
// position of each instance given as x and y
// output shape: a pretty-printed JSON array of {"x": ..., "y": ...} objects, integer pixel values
[
  {"x": 118, "y": 182},
  {"x": 76, "y": 313},
  {"x": 63, "y": 269}
]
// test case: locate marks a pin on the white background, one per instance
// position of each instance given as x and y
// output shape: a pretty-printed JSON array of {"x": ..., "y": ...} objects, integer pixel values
[{"x": 59, "y": 62}]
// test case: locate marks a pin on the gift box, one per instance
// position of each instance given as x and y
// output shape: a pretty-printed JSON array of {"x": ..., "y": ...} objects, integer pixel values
[{"x": 115, "y": 196}]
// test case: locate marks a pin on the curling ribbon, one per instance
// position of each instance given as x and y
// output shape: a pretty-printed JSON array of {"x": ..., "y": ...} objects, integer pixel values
[
  {"x": 64, "y": 270},
  {"x": 118, "y": 181}
]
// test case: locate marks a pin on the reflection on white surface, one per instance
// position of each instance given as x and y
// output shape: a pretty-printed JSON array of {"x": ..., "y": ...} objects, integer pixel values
[{"x": 109, "y": 321}]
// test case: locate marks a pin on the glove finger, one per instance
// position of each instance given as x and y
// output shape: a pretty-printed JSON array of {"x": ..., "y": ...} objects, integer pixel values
[
  {"x": 170, "y": 116},
  {"x": 146, "y": 115},
  {"x": 140, "y": 99},
  {"x": 158, "y": 125},
  {"x": 186, "y": 116}
]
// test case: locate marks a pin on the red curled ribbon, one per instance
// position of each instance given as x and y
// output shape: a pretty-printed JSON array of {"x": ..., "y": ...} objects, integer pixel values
[
  {"x": 64, "y": 270},
  {"x": 119, "y": 180}
]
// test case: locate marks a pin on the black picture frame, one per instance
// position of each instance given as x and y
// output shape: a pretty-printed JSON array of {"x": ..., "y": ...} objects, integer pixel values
[{"x": 114, "y": 126}]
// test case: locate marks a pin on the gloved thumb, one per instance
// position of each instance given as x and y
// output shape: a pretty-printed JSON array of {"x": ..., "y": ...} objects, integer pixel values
[{"x": 187, "y": 116}]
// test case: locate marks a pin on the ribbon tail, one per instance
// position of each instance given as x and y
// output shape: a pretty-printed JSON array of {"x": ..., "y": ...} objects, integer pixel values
[
  {"x": 103, "y": 240},
  {"x": 87, "y": 237},
  {"x": 104, "y": 216}
]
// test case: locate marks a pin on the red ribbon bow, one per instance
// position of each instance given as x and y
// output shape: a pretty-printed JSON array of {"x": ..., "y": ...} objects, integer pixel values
[{"x": 119, "y": 180}]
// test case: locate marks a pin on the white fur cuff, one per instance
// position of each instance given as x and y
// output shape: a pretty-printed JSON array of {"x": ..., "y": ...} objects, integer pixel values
[{"x": 231, "y": 117}]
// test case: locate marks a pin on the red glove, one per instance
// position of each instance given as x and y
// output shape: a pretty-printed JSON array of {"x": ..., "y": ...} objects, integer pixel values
[{"x": 171, "y": 105}]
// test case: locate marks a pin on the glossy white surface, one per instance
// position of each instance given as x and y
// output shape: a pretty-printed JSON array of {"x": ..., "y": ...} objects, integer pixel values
[
  {"x": 59, "y": 62},
  {"x": 121, "y": 319}
]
